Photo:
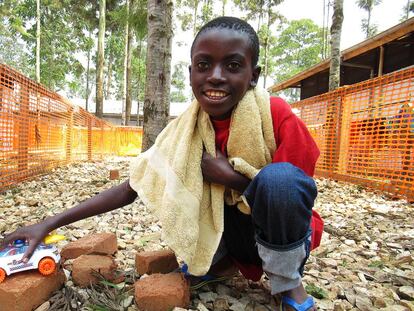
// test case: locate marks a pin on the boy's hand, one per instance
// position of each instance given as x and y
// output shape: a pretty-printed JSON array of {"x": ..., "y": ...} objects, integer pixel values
[
  {"x": 216, "y": 170},
  {"x": 33, "y": 234},
  {"x": 219, "y": 171}
]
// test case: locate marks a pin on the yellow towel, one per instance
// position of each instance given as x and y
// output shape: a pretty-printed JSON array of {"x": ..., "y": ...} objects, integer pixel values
[{"x": 168, "y": 177}]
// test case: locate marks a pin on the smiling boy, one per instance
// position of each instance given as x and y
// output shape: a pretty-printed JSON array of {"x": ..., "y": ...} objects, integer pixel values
[{"x": 229, "y": 178}]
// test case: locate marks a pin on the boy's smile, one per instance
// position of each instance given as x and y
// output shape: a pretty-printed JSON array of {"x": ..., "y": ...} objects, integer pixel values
[{"x": 221, "y": 70}]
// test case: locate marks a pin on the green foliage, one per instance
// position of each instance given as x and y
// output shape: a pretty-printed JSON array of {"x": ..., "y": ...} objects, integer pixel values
[
  {"x": 178, "y": 83},
  {"x": 368, "y": 5},
  {"x": 376, "y": 264},
  {"x": 68, "y": 32},
  {"x": 297, "y": 48},
  {"x": 192, "y": 14},
  {"x": 408, "y": 10},
  {"x": 316, "y": 291}
]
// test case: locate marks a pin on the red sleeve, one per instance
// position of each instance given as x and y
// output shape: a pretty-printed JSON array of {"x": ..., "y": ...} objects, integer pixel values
[{"x": 294, "y": 142}]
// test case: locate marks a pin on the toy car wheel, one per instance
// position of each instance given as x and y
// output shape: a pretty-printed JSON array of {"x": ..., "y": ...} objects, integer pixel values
[
  {"x": 2, "y": 275},
  {"x": 47, "y": 266}
]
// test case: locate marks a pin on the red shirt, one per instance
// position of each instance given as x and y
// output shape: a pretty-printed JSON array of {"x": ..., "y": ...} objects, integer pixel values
[{"x": 294, "y": 143}]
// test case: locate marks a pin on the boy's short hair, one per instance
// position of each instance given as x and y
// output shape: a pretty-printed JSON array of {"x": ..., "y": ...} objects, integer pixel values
[{"x": 237, "y": 24}]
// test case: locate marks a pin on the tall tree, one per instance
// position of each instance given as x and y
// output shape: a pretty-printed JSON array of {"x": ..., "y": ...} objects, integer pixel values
[
  {"x": 127, "y": 57},
  {"x": 157, "y": 88},
  {"x": 100, "y": 59},
  {"x": 336, "y": 30},
  {"x": 266, "y": 37},
  {"x": 38, "y": 41},
  {"x": 407, "y": 10},
  {"x": 297, "y": 47},
  {"x": 223, "y": 7},
  {"x": 178, "y": 83},
  {"x": 368, "y": 5},
  {"x": 188, "y": 14}
]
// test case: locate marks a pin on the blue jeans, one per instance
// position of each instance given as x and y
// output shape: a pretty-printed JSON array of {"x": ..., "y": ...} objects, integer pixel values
[{"x": 277, "y": 233}]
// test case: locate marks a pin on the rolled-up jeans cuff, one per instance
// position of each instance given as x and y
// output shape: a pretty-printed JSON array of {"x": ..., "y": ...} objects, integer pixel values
[{"x": 284, "y": 264}]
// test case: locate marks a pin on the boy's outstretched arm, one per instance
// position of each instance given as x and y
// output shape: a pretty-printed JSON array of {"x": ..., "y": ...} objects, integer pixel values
[
  {"x": 103, "y": 202},
  {"x": 219, "y": 171}
]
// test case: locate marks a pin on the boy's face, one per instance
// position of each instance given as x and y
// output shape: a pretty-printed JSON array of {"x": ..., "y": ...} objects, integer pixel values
[{"x": 221, "y": 70}]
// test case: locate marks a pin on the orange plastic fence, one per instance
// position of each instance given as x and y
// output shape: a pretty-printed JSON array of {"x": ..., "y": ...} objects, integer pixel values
[
  {"x": 40, "y": 130},
  {"x": 365, "y": 132}
]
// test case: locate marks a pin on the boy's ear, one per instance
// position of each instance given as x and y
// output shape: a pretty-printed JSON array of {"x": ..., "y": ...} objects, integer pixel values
[{"x": 255, "y": 76}]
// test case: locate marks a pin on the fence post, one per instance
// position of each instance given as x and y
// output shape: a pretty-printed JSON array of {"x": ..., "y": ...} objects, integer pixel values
[
  {"x": 23, "y": 134},
  {"x": 102, "y": 140},
  {"x": 69, "y": 132},
  {"x": 332, "y": 134},
  {"x": 89, "y": 138}
]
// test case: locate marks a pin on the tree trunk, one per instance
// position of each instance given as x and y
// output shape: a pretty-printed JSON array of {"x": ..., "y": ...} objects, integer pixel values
[
  {"x": 109, "y": 74},
  {"x": 124, "y": 79},
  {"x": 139, "y": 80},
  {"x": 157, "y": 88},
  {"x": 266, "y": 50},
  {"x": 87, "y": 76},
  {"x": 368, "y": 21},
  {"x": 336, "y": 29},
  {"x": 128, "y": 101},
  {"x": 223, "y": 8},
  {"x": 100, "y": 59},
  {"x": 38, "y": 41},
  {"x": 195, "y": 18}
]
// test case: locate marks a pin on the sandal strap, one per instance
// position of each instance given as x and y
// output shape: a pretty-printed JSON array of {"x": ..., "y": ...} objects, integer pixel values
[{"x": 306, "y": 305}]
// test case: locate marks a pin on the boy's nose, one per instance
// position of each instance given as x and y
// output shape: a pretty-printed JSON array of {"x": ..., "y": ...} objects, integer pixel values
[{"x": 216, "y": 75}]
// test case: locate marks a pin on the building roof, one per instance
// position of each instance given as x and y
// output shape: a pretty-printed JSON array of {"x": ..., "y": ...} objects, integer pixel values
[{"x": 397, "y": 32}]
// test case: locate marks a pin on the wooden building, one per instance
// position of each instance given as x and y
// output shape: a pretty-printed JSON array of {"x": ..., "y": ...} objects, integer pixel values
[{"x": 384, "y": 53}]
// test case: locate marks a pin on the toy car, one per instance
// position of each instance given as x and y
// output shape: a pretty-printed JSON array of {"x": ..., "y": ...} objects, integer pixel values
[{"x": 44, "y": 258}]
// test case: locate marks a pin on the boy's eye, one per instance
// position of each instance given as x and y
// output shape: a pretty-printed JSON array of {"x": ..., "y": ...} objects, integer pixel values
[
  {"x": 233, "y": 65},
  {"x": 202, "y": 65}
]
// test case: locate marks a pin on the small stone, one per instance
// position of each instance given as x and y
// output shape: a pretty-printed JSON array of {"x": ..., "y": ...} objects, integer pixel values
[
  {"x": 363, "y": 303},
  {"x": 127, "y": 301},
  {"x": 207, "y": 297},
  {"x": 408, "y": 304},
  {"x": 201, "y": 307},
  {"x": 113, "y": 174},
  {"x": 406, "y": 292},
  {"x": 43, "y": 307},
  {"x": 329, "y": 262},
  {"x": 221, "y": 304}
]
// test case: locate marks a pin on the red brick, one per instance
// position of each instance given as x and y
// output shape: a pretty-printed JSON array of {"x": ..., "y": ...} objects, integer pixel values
[
  {"x": 163, "y": 261},
  {"x": 98, "y": 243},
  {"x": 162, "y": 292},
  {"x": 113, "y": 174},
  {"x": 83, "y": 267},
  {"x": 24, "y": 291}
]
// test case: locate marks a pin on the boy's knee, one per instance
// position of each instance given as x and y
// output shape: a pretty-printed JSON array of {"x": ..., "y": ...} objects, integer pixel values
[{"x": 285, "y": 182}]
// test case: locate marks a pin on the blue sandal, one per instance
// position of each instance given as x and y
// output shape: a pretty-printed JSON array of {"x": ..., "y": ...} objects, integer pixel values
[
  {"x": 306, "y": 305},
  {"x": 203, "y": 280}
]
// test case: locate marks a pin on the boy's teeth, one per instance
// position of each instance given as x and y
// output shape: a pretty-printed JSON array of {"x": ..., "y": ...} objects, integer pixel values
[{"x": 216, "y": 94}]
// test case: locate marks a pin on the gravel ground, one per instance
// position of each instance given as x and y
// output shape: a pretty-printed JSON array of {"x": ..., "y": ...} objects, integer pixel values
[{"x": 365, "y": 262}]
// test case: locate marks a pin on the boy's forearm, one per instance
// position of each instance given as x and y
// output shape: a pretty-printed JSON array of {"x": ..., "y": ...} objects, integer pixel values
[
  {"x": 103, "y": 202},
  {"x": 237, "y": 182}
]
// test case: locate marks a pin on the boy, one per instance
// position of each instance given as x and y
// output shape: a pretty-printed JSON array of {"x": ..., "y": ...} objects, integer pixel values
[{"x": 231, "y": 149}]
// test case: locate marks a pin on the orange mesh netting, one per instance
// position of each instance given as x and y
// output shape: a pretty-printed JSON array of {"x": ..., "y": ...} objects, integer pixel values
[
  {"x": 40, "y": 130},
  {"x": 365, "y": 132}
]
